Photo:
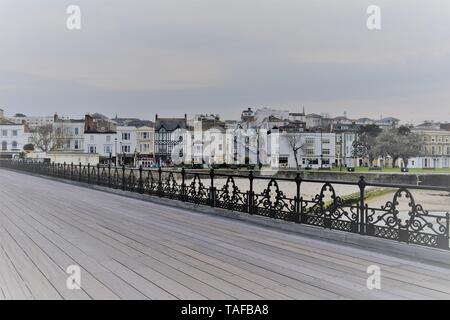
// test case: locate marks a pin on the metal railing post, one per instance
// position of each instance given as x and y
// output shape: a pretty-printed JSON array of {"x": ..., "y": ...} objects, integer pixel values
[
  {"x": 212, "y": 190},
  {"x": 362, "y": 219},
  {"x": 98, "y": 173},
  {"x": 89, "y": 172},
  {"x": 298, "y": 204},
  {"x": 141, "y": 182},
  {"x": 123, "y": 177},
  {"x": 250, "y": 194},
  {"x": 109, "y": 175},
  {"x": 447, "y": 236},
  {"x": 160, "y": 188},
  {"x": 183, "y": 184}
]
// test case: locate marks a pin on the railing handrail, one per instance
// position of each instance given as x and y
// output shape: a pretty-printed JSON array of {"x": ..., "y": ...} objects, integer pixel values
[{"x": 206, "y": 173}]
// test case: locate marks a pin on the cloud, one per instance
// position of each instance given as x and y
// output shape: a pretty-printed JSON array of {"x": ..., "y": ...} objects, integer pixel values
[{"x": 175, "y": 56}]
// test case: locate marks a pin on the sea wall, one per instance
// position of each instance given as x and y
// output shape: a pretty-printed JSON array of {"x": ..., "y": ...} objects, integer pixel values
[{"x": 416, "y": 179}]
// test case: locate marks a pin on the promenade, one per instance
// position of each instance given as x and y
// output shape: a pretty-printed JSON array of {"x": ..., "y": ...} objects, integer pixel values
[{"x": 132, "y": 249}]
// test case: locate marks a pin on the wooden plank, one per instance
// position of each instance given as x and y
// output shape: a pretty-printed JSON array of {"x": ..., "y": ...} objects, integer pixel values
[
  {"x": 37, "y": 283},
  {"x": 92, "y": 287}
]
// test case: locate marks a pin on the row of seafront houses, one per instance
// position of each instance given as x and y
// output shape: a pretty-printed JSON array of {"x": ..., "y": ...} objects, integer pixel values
[{"x": 260, "y": 137}]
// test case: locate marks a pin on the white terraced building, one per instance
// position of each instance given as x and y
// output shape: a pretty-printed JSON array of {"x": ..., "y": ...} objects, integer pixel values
[
  {"x": 13, "y": 137},
  {"x": 436, "y": 147}
]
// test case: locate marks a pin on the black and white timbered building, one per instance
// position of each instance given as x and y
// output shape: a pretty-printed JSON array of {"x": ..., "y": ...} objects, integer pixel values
[{"x": 169, "y": 133}]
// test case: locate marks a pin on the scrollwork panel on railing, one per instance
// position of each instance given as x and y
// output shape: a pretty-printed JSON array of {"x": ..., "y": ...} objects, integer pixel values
[
  {"x": 230, "y": 197},
  {"x": 273, "y": 203},
  {"x": 170, "y": 187},
  {"x": 329, "y": 211},
  {"x": 196, "y": 191},
  {"x": 407, "y": 222}
]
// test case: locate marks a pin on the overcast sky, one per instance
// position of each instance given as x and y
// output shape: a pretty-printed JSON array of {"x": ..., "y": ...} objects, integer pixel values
[{"x": 141, "y": 57}]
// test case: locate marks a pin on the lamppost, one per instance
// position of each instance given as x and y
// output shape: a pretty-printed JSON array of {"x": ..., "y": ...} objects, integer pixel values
[
  {"x": 121, "y": 157},
  {"x": 115, "y": 146},
  {"x": 135, "y": 157},
  {"x": 321, "y": 147}
]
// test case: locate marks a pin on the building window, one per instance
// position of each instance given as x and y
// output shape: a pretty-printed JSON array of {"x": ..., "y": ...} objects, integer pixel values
[
  {"x": 92, "y": 149},
  {"x": 92, "y": 138},
  {"x": 108, "y": 149},
  {"x": 108, "y": 138},
  {"x": 283, "y": 161},
  {"x": 76, "y": 131},
  {"x": 4, "y": 133},
  {"x": 309, "y": 151},
  {"x": 126, "y": 149},
  {"x": 76, "y": 145},
  {"x": 309, "y": 140},
  {"x": 125, "y": 136},
  {"x": 4, "y": 146},
  {"x": 326, "y": 151},
  {"x": 14, "y": 144},
  {"x": 14, "y": 133},
  {"x": 144, "y": 147}
]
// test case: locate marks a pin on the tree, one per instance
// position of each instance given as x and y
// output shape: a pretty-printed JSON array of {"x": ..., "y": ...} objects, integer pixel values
[
  {"x": 386, "y": 145},
  {"x": 398, "y": 143},
  {"x": 294, "y": 139},
  {"x": 46, "y": 139},
  {"x": 409, "y": 146},
  {"x": 364, "y": 145},
  {"x": 29, "y": 147}
]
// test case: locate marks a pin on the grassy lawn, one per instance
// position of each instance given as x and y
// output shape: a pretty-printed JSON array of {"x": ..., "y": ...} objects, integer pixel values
[{"x": 396, "y": 170}]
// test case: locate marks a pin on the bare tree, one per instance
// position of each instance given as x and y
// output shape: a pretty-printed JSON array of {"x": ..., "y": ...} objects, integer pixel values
[
  {"x": 294, "y": 139},
  {"x": 364, "y": 145},
  {"x": 46, "y": 139}
]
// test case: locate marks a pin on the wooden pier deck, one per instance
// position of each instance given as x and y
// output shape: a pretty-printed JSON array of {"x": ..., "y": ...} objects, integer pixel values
[{"x": 131, "y": 249}]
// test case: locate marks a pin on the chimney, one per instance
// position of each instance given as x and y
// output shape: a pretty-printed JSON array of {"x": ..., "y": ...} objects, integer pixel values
[
  {"x": 26, "y": 128},
  {"x": 1, "y": 114},
  {"x": 185, "y": 116},
  {"x": 88, "y": 122},
  {"x": 156, "y": 117},
  {"x": 55, "y": 117}
]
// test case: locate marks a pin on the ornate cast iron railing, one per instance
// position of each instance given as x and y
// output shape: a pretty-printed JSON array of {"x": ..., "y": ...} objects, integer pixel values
[{"x": 409, "y": 223}]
